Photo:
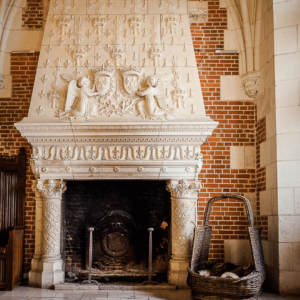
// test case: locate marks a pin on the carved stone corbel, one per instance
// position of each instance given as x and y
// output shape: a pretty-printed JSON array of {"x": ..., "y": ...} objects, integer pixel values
[{"x": 250, "y": 83}]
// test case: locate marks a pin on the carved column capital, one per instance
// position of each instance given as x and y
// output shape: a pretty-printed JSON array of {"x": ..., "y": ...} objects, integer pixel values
[
  {"x": 250, "y": 83},
  {"x": 184, "y": 188},
  {"x": 51, "y": 188}
]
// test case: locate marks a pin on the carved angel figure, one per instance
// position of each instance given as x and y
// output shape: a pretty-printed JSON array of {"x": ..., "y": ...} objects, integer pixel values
[
  {"x": 154, "y": 105},
  {"x": 77, "y": 103}
]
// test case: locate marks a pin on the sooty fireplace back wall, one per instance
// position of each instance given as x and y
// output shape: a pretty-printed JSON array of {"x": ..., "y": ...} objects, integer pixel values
[{"x": 121, "y": 212}]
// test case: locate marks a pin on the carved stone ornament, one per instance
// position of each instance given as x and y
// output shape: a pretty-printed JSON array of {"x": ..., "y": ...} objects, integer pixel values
[
  {"x": 122, "y": 90},
  {"x": 184, "y": 188},
  {"x": 198, "y": 11},
  {"x": 51, "y": 188},
  {"x": 2, "y": 80},
  {"x": 250, "y": 83}
]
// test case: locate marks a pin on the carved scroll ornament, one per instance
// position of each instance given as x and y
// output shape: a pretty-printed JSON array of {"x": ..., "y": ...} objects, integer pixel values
[{"x": 184, "y": 189}]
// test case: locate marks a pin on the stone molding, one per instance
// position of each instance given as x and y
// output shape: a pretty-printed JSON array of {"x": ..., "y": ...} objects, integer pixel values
[
  {"x": 137, "y": 151},
  {"x": 184, "y": 188}
]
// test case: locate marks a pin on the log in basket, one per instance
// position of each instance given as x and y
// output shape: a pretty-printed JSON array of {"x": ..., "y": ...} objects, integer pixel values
[{"x": 217, "y": 288}]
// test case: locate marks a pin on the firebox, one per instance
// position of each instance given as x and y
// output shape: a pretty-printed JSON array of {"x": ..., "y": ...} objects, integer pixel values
[{"x": 121, "y": 213}]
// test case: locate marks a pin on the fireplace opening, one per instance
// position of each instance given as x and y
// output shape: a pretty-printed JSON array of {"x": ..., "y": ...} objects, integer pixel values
[{"x": 121, "y": 211}]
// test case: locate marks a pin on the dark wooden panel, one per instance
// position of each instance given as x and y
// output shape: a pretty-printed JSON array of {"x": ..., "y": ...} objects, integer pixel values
[
  {"x": 12, "y": 216},
  {"x": 9, "y": 204}
]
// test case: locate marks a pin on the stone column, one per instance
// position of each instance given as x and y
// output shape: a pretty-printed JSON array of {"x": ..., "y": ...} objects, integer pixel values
[
  {"x": 184, "y": 196},
  {"x": 46, "y": 265}
]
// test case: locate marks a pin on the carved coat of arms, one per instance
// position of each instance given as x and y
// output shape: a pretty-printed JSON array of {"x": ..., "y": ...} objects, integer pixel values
[
  {"x": 103, "y": 77},
  {"x": 131, "y": 77}
]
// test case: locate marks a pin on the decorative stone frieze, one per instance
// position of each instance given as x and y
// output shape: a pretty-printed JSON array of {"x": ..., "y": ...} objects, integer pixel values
[{"x": 250, "y": 83}]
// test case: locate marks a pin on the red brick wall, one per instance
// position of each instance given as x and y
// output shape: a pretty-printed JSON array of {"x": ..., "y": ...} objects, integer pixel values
[
  {"x": 23, "y": 69},
  {"x": 262, "y": 221},
  {"x": 236, "y": 128},
  {"x": 33, "y": 15}
]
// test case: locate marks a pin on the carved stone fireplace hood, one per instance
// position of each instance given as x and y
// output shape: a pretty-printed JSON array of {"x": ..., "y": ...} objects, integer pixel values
[{"x": 116, "y": 96}]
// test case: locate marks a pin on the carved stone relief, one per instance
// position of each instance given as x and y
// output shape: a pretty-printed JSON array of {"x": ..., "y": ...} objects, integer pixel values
[
  {"x": 2, "y": 80},
  {"x": 250, "y": 83},
  {"x": 133, "y": 35}
]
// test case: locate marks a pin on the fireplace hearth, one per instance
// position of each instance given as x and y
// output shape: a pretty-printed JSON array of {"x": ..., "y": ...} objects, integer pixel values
[{"x": 121, "y": 213}]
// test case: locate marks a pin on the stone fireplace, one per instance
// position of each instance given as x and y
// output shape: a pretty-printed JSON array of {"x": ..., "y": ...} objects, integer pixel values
[
  {"x": 116, "y": 97},
  {"x": 121, "y": 213}
]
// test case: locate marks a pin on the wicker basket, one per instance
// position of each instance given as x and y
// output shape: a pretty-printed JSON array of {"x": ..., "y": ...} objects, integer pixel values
[{"x": 208, "y": 287}]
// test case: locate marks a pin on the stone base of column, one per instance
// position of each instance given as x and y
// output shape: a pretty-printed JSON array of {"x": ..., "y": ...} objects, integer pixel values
[
  {"x": 46, "y": 274},
  {"x": 177, "y": 273}
]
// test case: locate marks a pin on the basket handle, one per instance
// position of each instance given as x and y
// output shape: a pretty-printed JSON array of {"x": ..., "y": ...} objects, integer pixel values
[{"x": 224, "y": 196}]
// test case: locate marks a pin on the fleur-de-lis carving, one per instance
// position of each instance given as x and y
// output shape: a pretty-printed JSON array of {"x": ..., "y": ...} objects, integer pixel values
[
  {"x": 76, "y": 72},
  {"x": 98, "y": 56},
  {"x": 47, "y": 64},
  {"x": 42, "y": 94},
  {"x": 49, "y": 49},
  {"x": 44, "y": 78},
  {"x": 89, "y": 33},
  {"x": 51, "y": 34},
  {"x": 89, "y": 4},
  {"x": 74, "y": 4},
  {"x": 98, "y": 42},
  {"x": 60, "y": 42},
  {"x": 87, "y": 64},
  {"x": 56, "y": 4},
  {"x": 40, "y": 110}
]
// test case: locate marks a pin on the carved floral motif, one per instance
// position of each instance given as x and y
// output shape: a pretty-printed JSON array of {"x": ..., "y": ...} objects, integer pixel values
[
  {"x": 183, "y": 188},
  {"x": 51, "y": 188}
]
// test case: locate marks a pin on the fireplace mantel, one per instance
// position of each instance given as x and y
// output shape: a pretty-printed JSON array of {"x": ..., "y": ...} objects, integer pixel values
[{"x": 114, "y": 150}]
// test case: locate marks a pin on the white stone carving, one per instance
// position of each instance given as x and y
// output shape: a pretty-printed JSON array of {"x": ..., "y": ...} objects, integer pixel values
[
  {"x": 250, "y": 83},
  {"x": 42, "y": 94},
  {"x": 44, "y": 78},
  {"x": 40, "y": 110},
  {"x": 116, "y": 52},
  {"x": 51, "y": 188},
  {"x": 49, "y": 49},
  {"x": 77, "y": 106},
  {"x": 154, "y": 107},
  {"x": 198, "y": 11},
  {"x": 53, "y": 97},
  {"x": 131, "y": 77},
  {"x": 2, "y": 79},
  {"x": 184, "y": 189},
  {"x": 104, "y": 80},
  {"x": 47, "y": 64},
  {"x": 63, "y": 23}
]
